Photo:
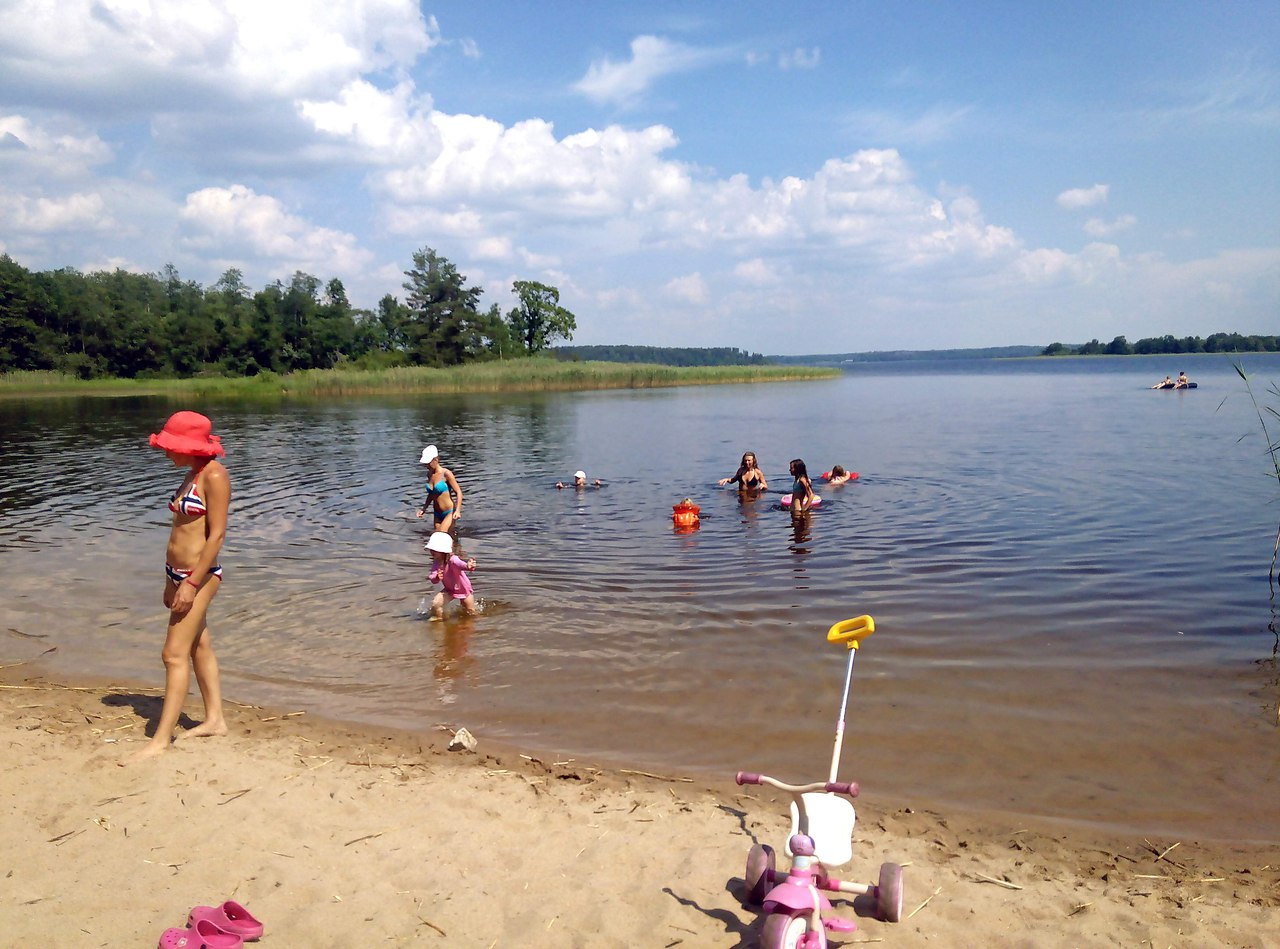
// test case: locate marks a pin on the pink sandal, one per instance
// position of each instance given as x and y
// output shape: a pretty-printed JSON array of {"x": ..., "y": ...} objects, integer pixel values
[
  {"x": 203, "y": 935},
  {"x": 230, "y": 917}
]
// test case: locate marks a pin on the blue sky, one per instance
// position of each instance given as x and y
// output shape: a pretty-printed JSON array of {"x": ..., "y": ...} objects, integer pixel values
[{"x": 798, "y": 178}]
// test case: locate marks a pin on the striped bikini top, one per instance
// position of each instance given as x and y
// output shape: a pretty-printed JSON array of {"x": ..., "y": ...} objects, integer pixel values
[{"x": 188, "y": 502}]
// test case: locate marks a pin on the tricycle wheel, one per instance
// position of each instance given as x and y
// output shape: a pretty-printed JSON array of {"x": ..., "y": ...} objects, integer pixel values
[
  {"x": 789, "y": 932},
  {"x": 760, "y": 862},
  {"x": 889, "y": 893}
]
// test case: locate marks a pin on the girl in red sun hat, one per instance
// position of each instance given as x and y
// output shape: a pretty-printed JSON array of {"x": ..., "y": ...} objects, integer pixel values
[{"x": 192, "y": 576}]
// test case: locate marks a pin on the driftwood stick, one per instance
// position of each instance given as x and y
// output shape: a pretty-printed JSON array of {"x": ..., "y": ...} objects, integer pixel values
[{"x": 925, "y": 903}]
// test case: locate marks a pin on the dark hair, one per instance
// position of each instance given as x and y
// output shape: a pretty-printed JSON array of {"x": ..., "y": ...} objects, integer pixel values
[
  {"x": 798, "y": 469},
  {"x": 752, "y": 454},
  {"x": 837, "y": 470}
]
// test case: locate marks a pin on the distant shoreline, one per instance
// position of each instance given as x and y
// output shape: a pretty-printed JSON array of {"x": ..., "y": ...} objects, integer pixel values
[{"x": 533, "y": 375}]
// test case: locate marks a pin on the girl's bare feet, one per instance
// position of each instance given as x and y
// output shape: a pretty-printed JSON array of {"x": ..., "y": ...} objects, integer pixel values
[
  {"x": 205, "y": 729},
  {"x": 150, "y": 750}
]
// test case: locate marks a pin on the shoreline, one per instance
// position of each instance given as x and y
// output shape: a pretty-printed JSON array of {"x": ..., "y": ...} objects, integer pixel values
[
  {"x": 341, "y": 835},
  {"x": 533, "y": 375}
]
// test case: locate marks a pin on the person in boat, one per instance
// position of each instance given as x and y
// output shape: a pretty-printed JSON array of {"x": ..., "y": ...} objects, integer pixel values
[
  {"x": 1182, "y": 382},
  {"x": 802, "y": 494},
  {"x": 444, "y": 496},
  {"x": 1167, "y": 384},
  {"x": 748, "y": 477},
  {"x": 193, "y": 576},
  {"x": 580, "y": 481}
]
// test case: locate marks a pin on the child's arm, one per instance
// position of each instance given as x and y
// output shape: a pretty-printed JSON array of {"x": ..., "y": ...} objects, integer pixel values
[{"x": 434, "y": 575}]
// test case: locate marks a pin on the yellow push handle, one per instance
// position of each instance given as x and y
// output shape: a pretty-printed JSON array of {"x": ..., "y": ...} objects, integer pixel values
[{"x": 852, "y": 631}]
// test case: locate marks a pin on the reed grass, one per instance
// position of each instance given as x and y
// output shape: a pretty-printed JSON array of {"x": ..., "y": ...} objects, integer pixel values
[
  {"x": 1273, "y": 451},
  {"x": 525, "y": 375}
]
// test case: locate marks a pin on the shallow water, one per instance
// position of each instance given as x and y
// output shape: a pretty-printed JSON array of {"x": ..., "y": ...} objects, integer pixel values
[{"x": 1068, "y": 574}]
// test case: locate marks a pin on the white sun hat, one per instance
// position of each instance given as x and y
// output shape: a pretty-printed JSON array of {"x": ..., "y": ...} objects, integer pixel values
[
  {"x": 429, "y": 454},
  {"x": 580, "y": 474},
  {"x": 440, "y": 542}
]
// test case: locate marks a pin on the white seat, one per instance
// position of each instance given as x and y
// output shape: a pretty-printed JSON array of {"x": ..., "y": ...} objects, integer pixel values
[{"x": 831, "y": 821}]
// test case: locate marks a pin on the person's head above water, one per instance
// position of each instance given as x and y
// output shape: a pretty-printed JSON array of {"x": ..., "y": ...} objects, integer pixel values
[
  {"x": 439, "y": 543},
  {"x": 429, "y": 454}
]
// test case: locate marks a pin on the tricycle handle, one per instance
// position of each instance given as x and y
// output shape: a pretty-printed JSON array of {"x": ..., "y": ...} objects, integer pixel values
[
  {"x": 849, "y": 788},
  {"x": 852, "y": 631}
]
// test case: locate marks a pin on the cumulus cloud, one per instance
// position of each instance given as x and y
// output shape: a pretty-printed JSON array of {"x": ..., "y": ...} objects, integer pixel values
[
  {"x": 60, "y": 152},
  {"x": 1096, "y": 227},
  {"x": 756, "y": 272},
  {"x": 652, "y": 58},
  {"x": 690, "y": 288},
  {"x": 385, "y": 127},
  {"x": 1077, "y": 198},
  {"x": 41, "y": 215},
  {"x": 253, "y": 47},
  {"x": 226, "y": 222}
]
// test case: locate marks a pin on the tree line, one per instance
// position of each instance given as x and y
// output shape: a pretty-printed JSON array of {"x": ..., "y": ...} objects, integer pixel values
[
  {"x": 1161, "y": 345},
  {"x": 662, "y": 355},
  {"x": 116, "y": 323}
]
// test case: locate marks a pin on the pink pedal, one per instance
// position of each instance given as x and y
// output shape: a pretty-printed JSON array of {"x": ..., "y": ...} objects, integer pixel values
[{"x": 837, "y": 925}]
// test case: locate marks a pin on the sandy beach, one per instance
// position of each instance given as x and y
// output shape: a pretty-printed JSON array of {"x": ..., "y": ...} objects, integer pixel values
[{"x": 335, "y": 836}]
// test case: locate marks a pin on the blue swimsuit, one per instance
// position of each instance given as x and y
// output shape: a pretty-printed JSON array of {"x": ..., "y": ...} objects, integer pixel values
[{"x": 439, "y": 489}]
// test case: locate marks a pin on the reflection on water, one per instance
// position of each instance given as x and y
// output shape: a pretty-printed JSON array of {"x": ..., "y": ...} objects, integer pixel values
[{"x": 1037, "y": 543}]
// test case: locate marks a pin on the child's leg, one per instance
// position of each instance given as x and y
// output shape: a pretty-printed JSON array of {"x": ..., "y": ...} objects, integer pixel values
[
  {"x": 437, "y": 604},
  {"x": 469, "y": 604}
]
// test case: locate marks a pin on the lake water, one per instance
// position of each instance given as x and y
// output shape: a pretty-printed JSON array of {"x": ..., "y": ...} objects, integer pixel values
[{"x": 1068, "y": 573}]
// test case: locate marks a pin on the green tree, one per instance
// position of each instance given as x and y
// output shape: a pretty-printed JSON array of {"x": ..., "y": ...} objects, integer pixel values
[
  {"x": 539, "y": 318},
  {"x": 19, "y": 333},
  {"x": 442, "y": 328}
]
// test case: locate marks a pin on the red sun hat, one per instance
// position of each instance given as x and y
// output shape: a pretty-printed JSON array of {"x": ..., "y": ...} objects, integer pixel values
[{"x": 188, "y": 433}]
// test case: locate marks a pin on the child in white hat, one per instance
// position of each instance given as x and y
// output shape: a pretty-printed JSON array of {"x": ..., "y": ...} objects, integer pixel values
[
  {"x": 579, "y": 481},
  {"x": 451, "y": 573}
]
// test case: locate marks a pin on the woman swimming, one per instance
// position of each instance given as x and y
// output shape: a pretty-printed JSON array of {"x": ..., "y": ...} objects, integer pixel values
[
  {"x": 748, "y": 477},
  {"x": 444, "y": 497},
  {"x": 193, "y": 577}
]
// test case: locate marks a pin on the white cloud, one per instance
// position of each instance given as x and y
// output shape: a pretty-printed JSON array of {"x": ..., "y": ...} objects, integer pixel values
[
  {"x": 61, "y": 153},
  {"x": 1096, "y": 227},
  {"x": 240, "y": 49},
  {"x": 756, "y": 272},
  {"x": 482, "y": 165},
  {"x": 652, "y": 58},
  {"x": 384, "y": 126},
  {"x": 690, "y": 288},
  {"x": 40, "y": 215},
  {"x": 228, "y": 222},
  {"x": 1077, "y": 198}
]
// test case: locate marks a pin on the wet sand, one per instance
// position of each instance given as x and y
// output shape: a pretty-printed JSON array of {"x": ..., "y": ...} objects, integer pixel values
[{"x": 336, "y": 836}]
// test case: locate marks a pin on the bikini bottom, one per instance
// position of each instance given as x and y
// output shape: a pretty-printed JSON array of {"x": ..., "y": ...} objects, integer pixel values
[{"x": 178, "y": 574}]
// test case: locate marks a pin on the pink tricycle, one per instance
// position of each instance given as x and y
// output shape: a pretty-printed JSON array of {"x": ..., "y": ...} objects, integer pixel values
[{"x": 820, "y": 840}]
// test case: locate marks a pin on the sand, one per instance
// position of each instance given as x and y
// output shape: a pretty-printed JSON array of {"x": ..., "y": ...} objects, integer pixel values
[{"x": 335, "y": 836}]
